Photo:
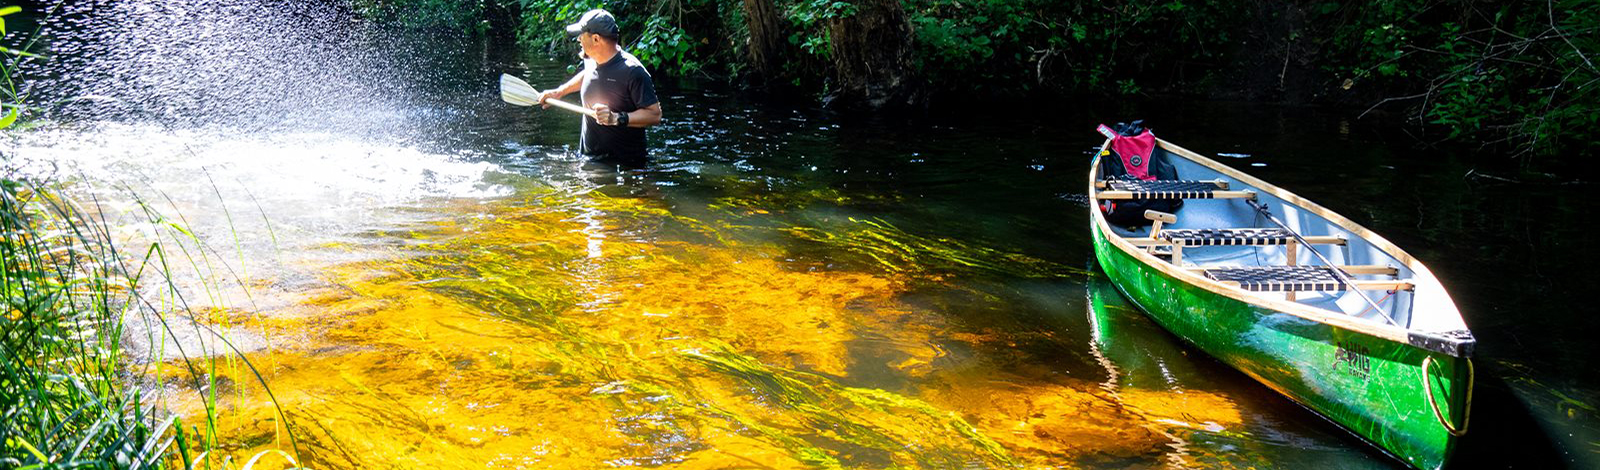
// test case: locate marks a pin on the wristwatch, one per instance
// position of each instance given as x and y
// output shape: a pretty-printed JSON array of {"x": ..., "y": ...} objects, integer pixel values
[{"x": 622, "y": 119}]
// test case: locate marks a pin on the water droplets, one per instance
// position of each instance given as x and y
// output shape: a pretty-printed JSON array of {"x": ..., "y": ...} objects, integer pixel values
[{"x": 245, "y": 64}]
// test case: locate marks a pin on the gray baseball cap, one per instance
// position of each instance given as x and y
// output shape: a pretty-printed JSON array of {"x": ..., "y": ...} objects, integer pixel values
[{"x": 596, "y": 21}]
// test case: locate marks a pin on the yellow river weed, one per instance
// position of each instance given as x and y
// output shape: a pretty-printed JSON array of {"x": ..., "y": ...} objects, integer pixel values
[{"x": 573, "y": 331}]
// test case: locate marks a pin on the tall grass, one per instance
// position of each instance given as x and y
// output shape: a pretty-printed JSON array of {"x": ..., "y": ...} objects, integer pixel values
[
  {"x": 70, "y": 396},
  {"x": 10, "y": 97},
  {"x": 66, "y": 402}
]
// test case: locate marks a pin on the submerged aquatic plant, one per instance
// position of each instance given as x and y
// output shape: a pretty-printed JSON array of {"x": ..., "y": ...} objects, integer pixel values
[
  {"x": 570, "y": 329},
  {"x": 887, "y": 247}
]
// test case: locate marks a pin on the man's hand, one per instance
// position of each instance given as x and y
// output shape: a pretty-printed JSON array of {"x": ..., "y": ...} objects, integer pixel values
[
  {"x": 549, "y": 95},
  {"x": 603, "y": 115}
]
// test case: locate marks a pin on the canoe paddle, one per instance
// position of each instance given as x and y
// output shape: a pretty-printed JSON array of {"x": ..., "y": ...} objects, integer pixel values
[
  {"x": 515, "y": 91},
  {"x": 1339, "y": 273}
]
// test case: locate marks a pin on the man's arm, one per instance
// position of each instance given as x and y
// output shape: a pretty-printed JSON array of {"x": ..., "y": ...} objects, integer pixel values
[
  {"x": 572, "y": 86},
  {"x": 646, "y": 116},
  {"x": 642, "y": 117}
]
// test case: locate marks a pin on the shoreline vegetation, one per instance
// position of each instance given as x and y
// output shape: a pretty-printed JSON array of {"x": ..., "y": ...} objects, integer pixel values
[
  {"x": 88, "y": 329},
  {"x": 91, "y": 321},
  {"x": 1517, "y": 77}
]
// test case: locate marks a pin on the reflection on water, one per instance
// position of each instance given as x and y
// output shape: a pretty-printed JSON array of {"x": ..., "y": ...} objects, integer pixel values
[
  {"x": 1140, "y": 358},
  {"x": 442, "y": 283}
]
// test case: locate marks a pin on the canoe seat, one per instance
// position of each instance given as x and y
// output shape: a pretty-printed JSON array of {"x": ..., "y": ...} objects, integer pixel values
[
  {"x": 1293, "y": 279},
  {"x": 1170, "y": 189},
  {"x": 1238, "y": 237}
]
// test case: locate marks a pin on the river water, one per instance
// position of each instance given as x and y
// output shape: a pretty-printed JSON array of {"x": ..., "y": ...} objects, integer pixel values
[{"x": 426, "y": 276}]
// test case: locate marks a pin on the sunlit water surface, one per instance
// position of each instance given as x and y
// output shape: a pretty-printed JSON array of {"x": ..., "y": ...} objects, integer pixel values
[{"x": 427, "y": 277}]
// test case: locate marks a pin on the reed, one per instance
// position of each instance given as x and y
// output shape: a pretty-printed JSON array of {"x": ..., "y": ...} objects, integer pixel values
[
  {"x": 66, "y": 403},
  {"x": 70, "y": 395}
]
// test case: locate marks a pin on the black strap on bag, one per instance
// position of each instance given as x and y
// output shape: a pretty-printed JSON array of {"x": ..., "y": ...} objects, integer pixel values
[{"x": 1130, "y": 213}]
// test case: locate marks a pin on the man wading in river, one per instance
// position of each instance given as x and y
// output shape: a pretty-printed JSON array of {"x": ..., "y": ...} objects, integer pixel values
[{"x": 616, "y": 86}]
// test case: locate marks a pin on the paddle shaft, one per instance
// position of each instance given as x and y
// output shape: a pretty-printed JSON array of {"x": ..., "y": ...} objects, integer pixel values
[
  {"x": 571, "y": 107},
  {"x": 1335, "y": 268}
]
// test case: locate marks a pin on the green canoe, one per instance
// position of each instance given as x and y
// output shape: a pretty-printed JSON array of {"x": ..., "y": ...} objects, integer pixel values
[{"x": 1377, "y": 348}]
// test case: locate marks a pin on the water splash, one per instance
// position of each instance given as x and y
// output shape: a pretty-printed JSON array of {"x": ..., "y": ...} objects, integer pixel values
[{"x": 245, "y": 65}]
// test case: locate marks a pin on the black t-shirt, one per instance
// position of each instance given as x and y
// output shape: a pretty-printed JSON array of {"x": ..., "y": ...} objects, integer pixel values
[{"x": 623, "y": 84}]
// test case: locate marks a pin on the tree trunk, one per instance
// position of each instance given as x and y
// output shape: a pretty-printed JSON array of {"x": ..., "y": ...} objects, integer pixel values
[
  {"x": 871, "y": 52},
  {"x": 767, "y": 47}
]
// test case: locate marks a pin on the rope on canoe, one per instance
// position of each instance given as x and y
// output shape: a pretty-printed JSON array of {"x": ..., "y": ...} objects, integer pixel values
[{"x": 1427, "y": 389}]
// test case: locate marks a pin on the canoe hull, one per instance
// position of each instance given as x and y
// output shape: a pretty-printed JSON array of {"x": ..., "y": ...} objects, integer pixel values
[{"x": 1371, "y": 386}]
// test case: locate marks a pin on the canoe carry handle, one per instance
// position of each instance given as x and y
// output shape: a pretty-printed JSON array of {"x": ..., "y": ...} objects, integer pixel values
[{"x": 1427, "y": 389}]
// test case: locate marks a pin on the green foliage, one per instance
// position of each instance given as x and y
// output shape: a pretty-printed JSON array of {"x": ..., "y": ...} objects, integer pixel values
[
  {"x": 808, "y": 22},
  {"x": 655, "y": 32},
  {"x": 10, "y": 101},
  {"x": 956, "y": 36},
  {"x": 466, "y": 16},
  {"x": 1014, "y": 45},
  {"x": 543, "y": 23},
  {"x": 68, "y": 393},
  {"x": 667, "y": 47},
  {"x": 1567, "y": 109},
  {"x": 61, "y": 396},
  {"x": 1128, "y": 87},
  {"x": 1004, "y": 46},
  {"x": 1521, "y": 72}
]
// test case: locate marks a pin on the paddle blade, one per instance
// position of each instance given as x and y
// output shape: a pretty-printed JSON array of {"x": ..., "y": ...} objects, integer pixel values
[{"x": 515, "y": 91}]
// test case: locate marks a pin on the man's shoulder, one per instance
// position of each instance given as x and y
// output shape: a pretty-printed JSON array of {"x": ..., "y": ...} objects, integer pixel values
[{"x": 633, "y": 64}]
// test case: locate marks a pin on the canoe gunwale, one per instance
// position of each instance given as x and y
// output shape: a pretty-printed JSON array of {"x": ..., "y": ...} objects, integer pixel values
[{"x": 1454, "y": 343}]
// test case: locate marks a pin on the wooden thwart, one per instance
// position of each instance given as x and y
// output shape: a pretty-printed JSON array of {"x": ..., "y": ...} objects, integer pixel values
[
  {"x": 1366, "y": 269},
  {"x": 1159, "y": 217},
  {"x": 1385, "y": 285}
]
